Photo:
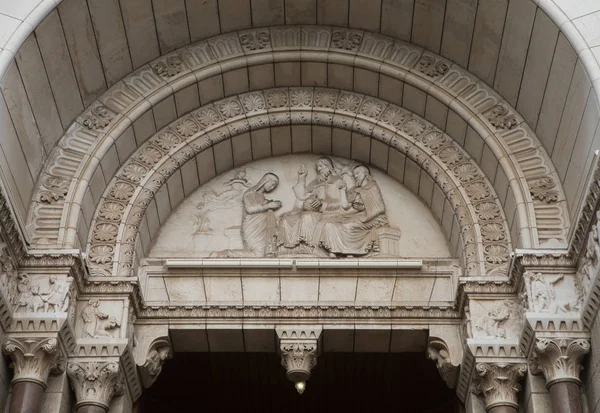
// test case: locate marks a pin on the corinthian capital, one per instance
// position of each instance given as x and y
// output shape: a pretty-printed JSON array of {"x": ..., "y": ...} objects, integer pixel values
[
  {"x": 499, "y": 383},
  {"x": 95, "y": 382},
  {"x": 299, "y": 348},
  {"x": 33, "y": 358},
  {"x": 560, "y": 359}
]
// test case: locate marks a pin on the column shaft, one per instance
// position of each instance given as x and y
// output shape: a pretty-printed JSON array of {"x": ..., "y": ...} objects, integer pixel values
[
  {"x": 26, "y": 397},
  {"x": 91, "y": 409},
  {"x": 566, "y": 397},
  {"x": 502, "y": 409}
]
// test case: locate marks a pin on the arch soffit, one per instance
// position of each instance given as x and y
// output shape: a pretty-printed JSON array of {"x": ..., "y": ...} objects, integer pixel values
[
  {"x": 54, "y": 211},
  {"x": 484, "y": 232}
]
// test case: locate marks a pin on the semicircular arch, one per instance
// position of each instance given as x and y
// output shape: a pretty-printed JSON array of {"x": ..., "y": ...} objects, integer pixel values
[
  {"x": 482, "y": 228},
  {"x": 537, "y": 193}
]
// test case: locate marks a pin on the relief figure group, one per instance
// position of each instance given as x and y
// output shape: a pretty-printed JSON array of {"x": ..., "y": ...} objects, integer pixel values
[{"x": 334, "y": 215}]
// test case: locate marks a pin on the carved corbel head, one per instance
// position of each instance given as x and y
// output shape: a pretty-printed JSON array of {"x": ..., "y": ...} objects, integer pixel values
[
  {"x": 159, "y": 351},
  {"x": 439, "y": 353}
]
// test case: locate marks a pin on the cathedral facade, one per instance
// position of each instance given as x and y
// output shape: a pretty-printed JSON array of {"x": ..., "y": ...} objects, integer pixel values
[{"x": 303, "y": 200}]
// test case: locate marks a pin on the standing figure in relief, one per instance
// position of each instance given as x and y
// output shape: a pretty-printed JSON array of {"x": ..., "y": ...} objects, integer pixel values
[
  {"x": 259, "y": 224},
  {"x": 319, "y": 197},
  {"x": 24, "y": 297},
  {"x": 354, "y": 233},
  {"x": 57, "y": 295},
  {"x": 91, "y": 315}
]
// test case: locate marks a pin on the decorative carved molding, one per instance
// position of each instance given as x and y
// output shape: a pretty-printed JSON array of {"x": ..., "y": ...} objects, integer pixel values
[
  {"x": 239, "y": 50},
  {"x": 95, "y": 382},
  {"x": 288, "y": 312},
  {"x": 588, "y": 212},
  {"x": 299, "y": 349},
  {"x": 33, "y": 358},
  {"x": 559, "y": 359},
  {"x": 499, "y": 383},
  {"x": 483, "y": 228},
  {"x": 439, "y": 353}
]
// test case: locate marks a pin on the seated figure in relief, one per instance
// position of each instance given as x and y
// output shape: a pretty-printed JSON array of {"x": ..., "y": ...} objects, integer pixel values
[
  {"x": 259, "y": 224},
  {"x": 314, "y": 200},
  {"x": 354, "y": 233}
]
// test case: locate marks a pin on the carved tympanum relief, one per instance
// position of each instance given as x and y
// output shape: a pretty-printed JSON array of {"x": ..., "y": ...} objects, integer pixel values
[{"x": 301, "y": 205}]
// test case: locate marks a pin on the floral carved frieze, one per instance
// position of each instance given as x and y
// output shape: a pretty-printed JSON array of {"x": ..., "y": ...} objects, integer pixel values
[
  {"x": 484, "y": 231},
  {"x": 509, "y": 137}
]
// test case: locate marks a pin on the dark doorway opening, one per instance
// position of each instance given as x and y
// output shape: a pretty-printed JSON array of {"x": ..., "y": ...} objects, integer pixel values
[{"x": 341, "y": 382}]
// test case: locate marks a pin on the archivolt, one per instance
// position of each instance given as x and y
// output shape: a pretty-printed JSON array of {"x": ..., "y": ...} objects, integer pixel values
[
  {"x": 56, "y": 205},
  {"x": 483, "y": 228}
]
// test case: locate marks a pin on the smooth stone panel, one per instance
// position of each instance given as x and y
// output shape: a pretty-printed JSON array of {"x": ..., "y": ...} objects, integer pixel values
[
  {"x": 458, "y": 29},
  {"x": 537, "y": 68},
  {"x": 561, "y": 73},
  {"x": 58, "y": 65},
  {"x": 112, "y": 42},
  {"x": 337, "y": 289},
  {"x": 77, "y": 25},
  {"x": 203, "y": 18},
  {"x": 333, "y": 13},
  {"x": 171, "y": 24},
  {"x": 138, "y": 18},
  {"x": 37, "y": 86},
  {"x": 515, "y": 42},
  {"x": 409, "y": 289},
  {"x": 487, "y": 35},
  {"x": 23, "y": 121},
  {"x": 428, "y": 21},
  {"x": 365, "y": 14},
  {"x": 300, "y": 11},
  {"x": 375, "y": 289},
  {"x": 185, "y": 289},
  {"x": 234, "y": 15},
  {"x": 571, "y": 120},
  {"x": 397, "y": 18},
  {"x": 261, "y": 289},
  {"x": 267, "y": 13},
  {"x": 300, "y": 289},
  {"x": 223, "y": 289}
]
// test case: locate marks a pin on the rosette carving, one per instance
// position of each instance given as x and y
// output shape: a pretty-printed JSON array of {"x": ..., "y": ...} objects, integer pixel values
[
  {"x": 559, "y": 359},
  {"x": 498, "y": 383}
]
